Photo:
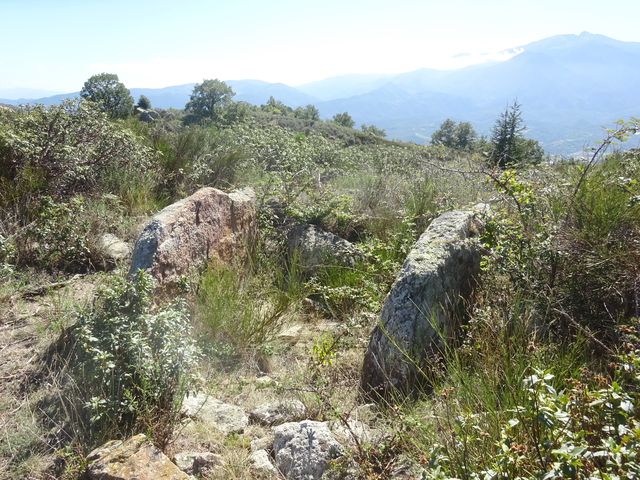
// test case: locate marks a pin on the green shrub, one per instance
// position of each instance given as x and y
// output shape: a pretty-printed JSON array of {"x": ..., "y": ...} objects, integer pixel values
[
  {"x": 62, "y": 150},
  {"x": 58, "y": 238},
  {"x": 132, "y": 365}
]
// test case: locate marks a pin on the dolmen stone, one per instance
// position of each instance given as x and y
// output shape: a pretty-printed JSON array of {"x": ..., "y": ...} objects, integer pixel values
[
  {"x": 424, "y": 304},
  {"x": 210, "y": 224}
]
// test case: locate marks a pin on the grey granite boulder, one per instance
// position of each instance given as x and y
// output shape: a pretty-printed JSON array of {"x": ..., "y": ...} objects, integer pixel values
[
  {"x": 304, "y": 449},
  {"x": 425, "y": 302},
  {"x": 210, "y": 224},
  {"x": 316, "y": 248}
]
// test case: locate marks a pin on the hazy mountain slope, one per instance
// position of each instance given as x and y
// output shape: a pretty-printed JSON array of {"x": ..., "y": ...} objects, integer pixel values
[
  {"x": 258, "y": 92},
  {"x": 344, "y": 86},
  {"x": 569, "y": 86}
]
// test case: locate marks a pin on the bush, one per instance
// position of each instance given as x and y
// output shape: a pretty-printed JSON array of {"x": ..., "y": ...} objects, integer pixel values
[
  {"x": 62, "y": 150},
  {"x": 131, "y": 367},
  {"x": 58, "y": 239}
]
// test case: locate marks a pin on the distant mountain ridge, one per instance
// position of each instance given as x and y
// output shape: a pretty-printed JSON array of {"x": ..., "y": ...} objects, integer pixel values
[{"x": 570, "y": 87}]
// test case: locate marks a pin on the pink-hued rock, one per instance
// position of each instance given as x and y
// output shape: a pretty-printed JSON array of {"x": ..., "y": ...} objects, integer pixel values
[{"x": 210, "y": 224}]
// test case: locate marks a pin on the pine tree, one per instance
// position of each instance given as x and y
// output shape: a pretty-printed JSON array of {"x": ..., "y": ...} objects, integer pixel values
[{"x": 506, "y": 133}]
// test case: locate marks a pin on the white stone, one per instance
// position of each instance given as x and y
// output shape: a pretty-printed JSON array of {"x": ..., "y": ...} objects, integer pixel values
[{"x": 261, "y": 461}]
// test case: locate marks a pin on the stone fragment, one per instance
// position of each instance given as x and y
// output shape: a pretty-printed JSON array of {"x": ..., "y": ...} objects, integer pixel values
[
  {"x": 196, "y": 463},
  {"x": 279, "y": 412},
  {"x": 111, "y": 249},
  {"x": 261, "y": 461},
  {"x": 133, "y": 459}
]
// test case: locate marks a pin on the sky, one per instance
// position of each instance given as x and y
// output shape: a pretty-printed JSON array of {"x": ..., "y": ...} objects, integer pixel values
[{"x": 55, "y": 45}]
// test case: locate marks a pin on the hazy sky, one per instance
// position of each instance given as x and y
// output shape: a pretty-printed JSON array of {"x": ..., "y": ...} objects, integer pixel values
[{"x": 57, "y": 44}]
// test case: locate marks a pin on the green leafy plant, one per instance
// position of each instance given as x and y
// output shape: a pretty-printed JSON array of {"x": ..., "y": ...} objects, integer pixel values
[{"x": 132, "y": 365}]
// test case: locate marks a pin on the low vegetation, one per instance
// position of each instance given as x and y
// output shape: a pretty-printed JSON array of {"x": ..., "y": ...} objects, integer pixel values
[{"x": 542, "y": 381}]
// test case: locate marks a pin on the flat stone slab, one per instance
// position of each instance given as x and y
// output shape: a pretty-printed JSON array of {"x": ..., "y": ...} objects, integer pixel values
[{"x": 133, "y": 459}]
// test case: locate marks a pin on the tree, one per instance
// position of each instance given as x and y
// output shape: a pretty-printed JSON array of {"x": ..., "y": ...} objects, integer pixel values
[
  {"x": 460, "y": 136},
  {"x": 445, "y": 135},
  {"x": 309, "y": 113},
  {"x": 508, "y": 144},
  {"x": 343, "y": 119},
  {"x": 144, "y": 103},
  {"x": 276, "y": 107},
  {"x": 507, "y": 129},
  {"x": 208, "y": 100},
  {"x": 373, "y": 130},
  {"x": 465, "y": 136},
  {"x": 109, "y": 94}
]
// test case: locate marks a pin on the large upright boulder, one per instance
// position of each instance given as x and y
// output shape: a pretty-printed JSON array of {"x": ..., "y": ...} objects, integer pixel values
[
  {"x": 209, "y": 224},
  {"x": 424, "y": 303}
]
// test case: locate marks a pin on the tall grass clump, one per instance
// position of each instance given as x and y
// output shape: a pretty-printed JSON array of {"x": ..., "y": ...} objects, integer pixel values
[{"x": 240, "y": 310}]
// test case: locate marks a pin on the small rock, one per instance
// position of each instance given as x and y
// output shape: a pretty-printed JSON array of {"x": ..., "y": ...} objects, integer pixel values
[
  {"x": 262, "y": 462},
  {"x": 277, "y": 413},
  {"x": 195, "y": 463},
  {"x": 112, "y": 249},
  {"x": 291, "y": 334},
  {"x": 133, "y": 459},
  {"x": 215, "y": 414},
  {"x": 304, "y": 449}
]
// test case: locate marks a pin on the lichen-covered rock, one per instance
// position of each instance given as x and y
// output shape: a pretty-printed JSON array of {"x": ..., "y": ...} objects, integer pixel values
[
  {"x": 133, "y": 459},
  {"x": 314, "y": 248},
  {"x": 209, "y": 224},
  {"x": 215, "y": 414},
  {"x": 304, "y": 449},
  {"x": 279, "y": 412},
  {"x": 424, "y": 302}
]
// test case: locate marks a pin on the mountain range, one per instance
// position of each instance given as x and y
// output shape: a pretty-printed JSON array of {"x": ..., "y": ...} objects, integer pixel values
[{"x": 569, "y": 86}]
